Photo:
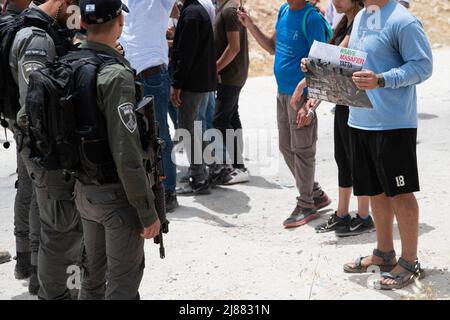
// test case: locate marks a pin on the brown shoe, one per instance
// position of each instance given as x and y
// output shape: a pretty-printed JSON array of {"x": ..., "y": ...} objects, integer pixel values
[
  {"x": 300, "y": 216},
  {"x": 322, "y": 201}
]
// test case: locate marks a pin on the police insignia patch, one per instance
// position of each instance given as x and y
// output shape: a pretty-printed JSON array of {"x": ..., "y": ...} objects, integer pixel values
[
  {"x": 30, "y": 66},
  {"x": 126, "y": 114},
  {"x": 39, "y": 53}
]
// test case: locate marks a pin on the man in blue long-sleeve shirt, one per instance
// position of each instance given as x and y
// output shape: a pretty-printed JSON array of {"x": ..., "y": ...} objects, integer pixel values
[{"x": 383, "y": 139}]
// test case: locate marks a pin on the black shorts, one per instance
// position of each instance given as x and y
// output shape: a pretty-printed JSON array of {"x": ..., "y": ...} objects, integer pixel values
[{"x": 384, "y": 162}]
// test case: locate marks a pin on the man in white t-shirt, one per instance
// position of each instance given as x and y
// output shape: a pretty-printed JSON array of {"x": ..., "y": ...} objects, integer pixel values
[{"x": 145, "y": 44}]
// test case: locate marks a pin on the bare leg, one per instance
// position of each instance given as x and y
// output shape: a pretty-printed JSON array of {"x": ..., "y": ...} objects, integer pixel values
[
  {"x": 383, "y": 215},
  {"x": 363, "y": 206},
  {"x": 344, "y": 201},
  {"x": 407, "y": 213}
]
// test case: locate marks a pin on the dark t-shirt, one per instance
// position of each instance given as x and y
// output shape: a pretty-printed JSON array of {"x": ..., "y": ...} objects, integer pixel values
[
  {"x": 236, "y": 73},
  {"x": 341, "y": 36}
]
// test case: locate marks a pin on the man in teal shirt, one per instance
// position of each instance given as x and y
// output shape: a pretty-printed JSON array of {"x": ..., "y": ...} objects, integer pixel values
[{"x": 298, "y": 145}]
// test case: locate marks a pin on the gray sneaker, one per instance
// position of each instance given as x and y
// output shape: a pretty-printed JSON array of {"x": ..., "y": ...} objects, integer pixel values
[{"x": 300, "y": 216}]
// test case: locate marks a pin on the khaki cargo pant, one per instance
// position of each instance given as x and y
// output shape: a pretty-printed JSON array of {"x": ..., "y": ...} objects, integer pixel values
[
  {"x": 298, "y": 147},
  {"x": 27, "y": 227},
  {"x": 61, "y": 230},
  {"x": 114, "y": 249}
]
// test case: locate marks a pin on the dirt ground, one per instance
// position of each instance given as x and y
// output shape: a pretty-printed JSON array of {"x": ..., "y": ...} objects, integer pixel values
[
  {"x": 231, "y": 244},
  {"x": 434, "y": 14}
]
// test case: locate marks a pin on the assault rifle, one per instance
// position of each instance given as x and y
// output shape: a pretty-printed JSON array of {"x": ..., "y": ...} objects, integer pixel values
[{"x": 154, "y": 165}]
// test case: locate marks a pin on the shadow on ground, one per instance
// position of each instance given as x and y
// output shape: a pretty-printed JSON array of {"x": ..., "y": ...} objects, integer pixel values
[
  {"x": 260, "y": 182},
  {"x": 435, "y": 285},
  {"x": 227, "y": 199},
  {"x": 427, "y": 116},
  {"x": 24, "y": 295},
  {"x": 185, "y": 212},
  {"x": 366, "y": 238}
]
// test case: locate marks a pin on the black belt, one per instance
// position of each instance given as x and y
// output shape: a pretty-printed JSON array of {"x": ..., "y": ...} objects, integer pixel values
[
  {"x": 84, "y": 179},
  {"x": 152, "y": 71}
]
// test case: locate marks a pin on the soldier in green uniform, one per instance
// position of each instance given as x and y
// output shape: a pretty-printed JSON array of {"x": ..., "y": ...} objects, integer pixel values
[
  {"x": 117, "y": 215},
  {"x": 61, "y": 230},
  {"x": 26, "y": 212}
]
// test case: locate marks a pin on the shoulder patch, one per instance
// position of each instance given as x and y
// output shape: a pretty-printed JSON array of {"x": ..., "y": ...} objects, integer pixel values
[
  {"x": 35, "y": 52},
  {"x": 29, "y": 67},
  {"x": 126, "y": 114},
  {"x": 39, "y": 32}
]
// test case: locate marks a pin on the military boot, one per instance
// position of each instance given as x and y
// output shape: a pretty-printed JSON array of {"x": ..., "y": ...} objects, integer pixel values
[
  {"x": 23, "y": 265},
  {"x": 33, "y": 285},
  {"x": 4, "y": 257}
]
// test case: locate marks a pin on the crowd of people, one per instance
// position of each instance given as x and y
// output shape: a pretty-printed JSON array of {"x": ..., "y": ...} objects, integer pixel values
[{"x": 192, "y": 57}]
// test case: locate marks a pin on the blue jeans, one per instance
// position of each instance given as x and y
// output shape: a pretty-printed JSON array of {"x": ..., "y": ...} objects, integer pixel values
[
  {"x": 158, "y": 86},
  {"x": 173, "y": 111}
]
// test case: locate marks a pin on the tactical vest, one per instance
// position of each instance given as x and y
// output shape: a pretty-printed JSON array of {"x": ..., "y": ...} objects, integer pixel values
[
  {"x": 9, "y": 27},
  {"x": 67, "y": 129},
  {"x": 96, "y": 162}
]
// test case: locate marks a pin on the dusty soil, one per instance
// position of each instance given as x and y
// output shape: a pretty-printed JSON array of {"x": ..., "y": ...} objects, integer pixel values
[{"x": 434, "y": 14}]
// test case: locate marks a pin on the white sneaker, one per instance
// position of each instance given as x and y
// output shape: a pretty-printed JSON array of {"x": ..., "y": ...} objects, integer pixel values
[{"x": 239, "y": 176}]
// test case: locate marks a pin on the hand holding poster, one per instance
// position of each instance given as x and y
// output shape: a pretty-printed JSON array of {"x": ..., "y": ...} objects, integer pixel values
[{"x": 330, "y": 75}]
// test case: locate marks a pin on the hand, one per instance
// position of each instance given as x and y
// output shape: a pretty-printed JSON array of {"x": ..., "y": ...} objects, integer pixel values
[
  {"x": 119, "y": 48},
  {"x": 170, "y": 34},
  {"x": 298, "y": 94},
  {"x": 176, "y": 97},
  {"x": 152, "y": 231},
  {"x": 304, "y": 65},
  {"x": 305, "y": 114},
  {"x": 365, "y": 80},
  {"x": 244, "y": 18}
]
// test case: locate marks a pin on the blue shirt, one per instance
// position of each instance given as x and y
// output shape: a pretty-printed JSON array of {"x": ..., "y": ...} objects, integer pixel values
[
  {"x": 291, "y": 45},
  {"x": 398, "y": 48}
]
